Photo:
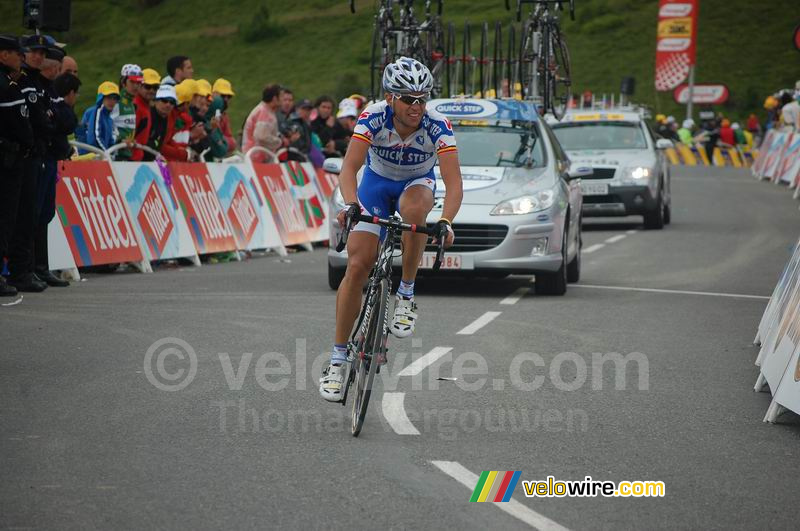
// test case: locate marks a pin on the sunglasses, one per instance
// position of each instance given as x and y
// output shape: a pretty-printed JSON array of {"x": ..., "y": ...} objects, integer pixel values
[
  {"x": 412, "y": 100},
  {"x": 151, "y": 87},
  {"x": 170, "y": 101}
]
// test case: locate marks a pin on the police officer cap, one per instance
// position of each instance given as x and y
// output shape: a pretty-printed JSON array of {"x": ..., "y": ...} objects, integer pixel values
[
  {"x": 37, "y": 42},
  {"x": 10, "y": 42}
]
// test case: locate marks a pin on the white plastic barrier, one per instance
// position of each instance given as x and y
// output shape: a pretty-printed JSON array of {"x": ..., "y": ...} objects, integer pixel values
[
  {"x": 779, "y": 158},
  {"x": 779, "y": 336}
]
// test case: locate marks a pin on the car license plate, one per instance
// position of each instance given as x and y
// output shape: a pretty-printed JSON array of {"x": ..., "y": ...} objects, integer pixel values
[
  {"x": 594, "y": 189},
  {"x": 449, "y": 261}
]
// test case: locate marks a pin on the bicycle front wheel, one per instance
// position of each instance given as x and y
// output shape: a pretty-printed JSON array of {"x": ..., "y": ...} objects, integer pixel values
[{"x": 366, "y": 363}]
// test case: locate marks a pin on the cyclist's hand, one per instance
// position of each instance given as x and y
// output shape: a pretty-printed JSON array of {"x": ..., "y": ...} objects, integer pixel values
[
  {"x": 443, "y": 228},
  {"x": 351, "y": 209}
]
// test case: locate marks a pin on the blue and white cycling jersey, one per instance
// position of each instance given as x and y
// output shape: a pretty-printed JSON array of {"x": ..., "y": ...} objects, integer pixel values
[{"x": 398, "y": 159}]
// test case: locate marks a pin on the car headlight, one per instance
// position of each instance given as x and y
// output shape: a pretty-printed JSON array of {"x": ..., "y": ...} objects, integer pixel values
[
  {"x": 525, "y": 204},
  {"x": 637, "y": 173}
]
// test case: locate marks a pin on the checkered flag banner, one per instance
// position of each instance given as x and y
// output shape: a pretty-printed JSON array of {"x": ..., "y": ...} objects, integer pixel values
[{"x": 672, "y": 71}]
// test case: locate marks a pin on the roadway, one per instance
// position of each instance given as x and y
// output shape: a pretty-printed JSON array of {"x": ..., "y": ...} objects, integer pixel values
[{"x": 87, "y": 441}]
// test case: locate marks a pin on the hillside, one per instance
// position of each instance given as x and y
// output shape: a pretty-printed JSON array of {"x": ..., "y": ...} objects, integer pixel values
[{"x": 320, "y": 48}]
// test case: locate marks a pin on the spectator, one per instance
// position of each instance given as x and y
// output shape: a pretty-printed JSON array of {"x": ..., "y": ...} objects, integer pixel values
[
  {"x": 179, "y": 68},
  {"x": 361, "y": 101},
  {"x": 685, "y": 133},
  {"x": 286, "y": 108},
  {"x": 143, "y": 101},
  {"x": 709, "y": 136},
  {"x": 162, "y": 130},
  {"x": 738, "y": 134},
  {"x": 261, "y": 126},
  {"x": 97, "y": 126},
  {"x": 223, "y": 90},
  {"x": 63, "y": 95},
  {"x": 69, "y": 66},
  {"x": 771, "y": 105},
  {"x": 672, "y": 129},
  {"x": 124, "y": 113},
  {"x": 187, "y": 133},
  {"x": 587, "y": 99},
  {"x": 790, "y": 113},
  {"x": 324, "y": 125},
  {"x": 215, "y": 146},
  {"x": 301, "y": 118},
  {"x": 346, "y": 120},
  {"x": 726, "y": 134}
]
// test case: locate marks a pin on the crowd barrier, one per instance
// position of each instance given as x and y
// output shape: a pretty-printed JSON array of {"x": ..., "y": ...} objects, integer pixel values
[
  {"x": 780, "y": 160},
  {"x": 695, "y": 155},
  {"x": 137, "y": 213},
  {"x": 779, "y": 336}
]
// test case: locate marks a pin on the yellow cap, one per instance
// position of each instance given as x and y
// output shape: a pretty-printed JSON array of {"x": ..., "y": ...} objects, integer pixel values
[
  {"x": 150, "y": 77},
  {"x": 185, "y": 90},
  {"x": 108, "y": 88},
  {"x": 660, "y": 118},
  {"x": 223, "y": 86},
  {"x": 203, "y": 87}
]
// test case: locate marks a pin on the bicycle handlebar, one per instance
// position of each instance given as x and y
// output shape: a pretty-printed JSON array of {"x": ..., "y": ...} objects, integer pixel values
[{"x": 397, "y": 225}]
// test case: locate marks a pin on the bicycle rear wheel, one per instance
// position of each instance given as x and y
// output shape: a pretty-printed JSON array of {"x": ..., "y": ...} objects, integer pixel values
[
  {"x": 467, "y": 65},
  {"x": 451, "y": 60},
  {"x": 483, "y": 60},
  {"x": 513, "y": 70},
  {"x": 365, "y": 364},
  {"x": 497, "y": 60},
  {"x": 558, "y": 77}
]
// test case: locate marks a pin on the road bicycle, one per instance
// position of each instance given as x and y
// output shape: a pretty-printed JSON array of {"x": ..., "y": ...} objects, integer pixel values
[
  {"x": 366, "y": 350},
  {"x": 543, "y": 62},
  {"x": 398, "y": 33}
]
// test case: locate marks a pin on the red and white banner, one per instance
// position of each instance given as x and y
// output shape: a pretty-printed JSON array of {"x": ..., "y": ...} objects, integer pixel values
[
  {"x": 676, "y": 42},
  {"x": 702, "y": 94},
  {"x": 301, "y": 180},
  {"x": 327, "y": 182},
  {"x": 275, "y": 192},
  {"x": 94, "y": 215},
  {"x": 197, "y": 197}
]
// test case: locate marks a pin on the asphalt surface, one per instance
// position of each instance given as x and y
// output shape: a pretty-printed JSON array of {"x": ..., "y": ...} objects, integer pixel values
[{"x": 87, "y": 441}]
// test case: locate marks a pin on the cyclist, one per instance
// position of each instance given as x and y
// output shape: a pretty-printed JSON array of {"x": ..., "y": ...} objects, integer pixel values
[{"x": 400, "y": 142}]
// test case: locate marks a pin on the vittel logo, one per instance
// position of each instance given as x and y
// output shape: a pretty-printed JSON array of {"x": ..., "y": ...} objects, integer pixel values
[
  {"x": 103, "y": 215},
  {"x": 284, "y": 203},
  {"x": 206, "y": 206}
]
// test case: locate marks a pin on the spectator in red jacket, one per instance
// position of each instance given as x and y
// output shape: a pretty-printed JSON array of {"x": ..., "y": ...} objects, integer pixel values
[
  {"x": 162, "y": 129},
  {"x": 222, "y": 89},
  {"x": 143, "y": 101},
  {"x": 727, "y": 134}
]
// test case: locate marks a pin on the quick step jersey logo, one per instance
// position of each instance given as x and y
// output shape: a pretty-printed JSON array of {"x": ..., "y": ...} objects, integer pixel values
[{"x": 155, "y": 221}]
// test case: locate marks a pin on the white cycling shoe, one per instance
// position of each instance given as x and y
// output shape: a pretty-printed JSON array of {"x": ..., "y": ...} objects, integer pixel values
[
  {"x": 405, "y": 315},
  {"x": 331, "y": 383}
]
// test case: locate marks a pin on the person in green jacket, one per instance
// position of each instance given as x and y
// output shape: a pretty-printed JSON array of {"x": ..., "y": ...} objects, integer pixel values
[
  {"x": 124, "y": 114},
  {"x": 685, "y": 132},
  {"x": 207, "y": 109}
]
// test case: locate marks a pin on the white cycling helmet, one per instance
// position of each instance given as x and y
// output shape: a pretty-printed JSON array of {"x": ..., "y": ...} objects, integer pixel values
[{"x": 407, "y": 76}]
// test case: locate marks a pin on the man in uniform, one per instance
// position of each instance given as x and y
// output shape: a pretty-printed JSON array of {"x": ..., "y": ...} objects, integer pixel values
[{"x": 16, "y": 141}]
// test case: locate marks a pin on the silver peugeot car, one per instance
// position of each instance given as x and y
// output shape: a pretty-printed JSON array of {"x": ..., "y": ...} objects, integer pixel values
[
  {"x": 631, "y": 172},
  {"x": 521, "y": 211}
]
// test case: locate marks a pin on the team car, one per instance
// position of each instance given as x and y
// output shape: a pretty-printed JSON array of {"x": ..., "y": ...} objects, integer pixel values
[
  {"x": 521, "y": 210},
  {"x": 631, "y": 172}
]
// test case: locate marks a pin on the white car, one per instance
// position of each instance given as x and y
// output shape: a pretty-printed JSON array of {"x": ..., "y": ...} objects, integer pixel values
[
  {"x": 521, "y": 211},
  {"x": 631, "y": 171}
]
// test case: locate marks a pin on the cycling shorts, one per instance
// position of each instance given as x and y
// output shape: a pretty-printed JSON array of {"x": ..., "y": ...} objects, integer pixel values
[{"x": 380, "y": 196}]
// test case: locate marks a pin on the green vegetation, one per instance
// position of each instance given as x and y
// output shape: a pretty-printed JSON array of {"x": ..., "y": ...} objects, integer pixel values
[{"x": 317, "y": 46}]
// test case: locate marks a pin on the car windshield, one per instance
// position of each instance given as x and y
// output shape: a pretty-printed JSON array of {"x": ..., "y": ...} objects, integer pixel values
[
  {"x": 600, "y": 135},
  {"x": 498, "y": 146}
]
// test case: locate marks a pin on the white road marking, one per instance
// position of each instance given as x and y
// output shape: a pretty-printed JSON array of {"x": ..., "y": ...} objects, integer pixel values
[
  {"x": 395, "y": 414},
  {"x": 632, "y": 231},
  {"x": 516, "y": 296},
  {"x": 675, "y": 292},
  {"x": 478, "y": 323},
  {"x": 615, "y": 239},
  {"x": 512, "y": 507},
  {"x": 418, "y": 365},
  {"x": 593, "y": 248}
]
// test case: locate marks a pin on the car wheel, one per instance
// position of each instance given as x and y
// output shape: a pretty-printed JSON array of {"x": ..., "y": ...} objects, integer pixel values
[
  {"x": 667, "y": 214},
  {"x": 574, "y": 267},
  {"x": 654, "y": 220},
  {"x": 554, "y": 283},
  {"x": 335, "y": 276}
]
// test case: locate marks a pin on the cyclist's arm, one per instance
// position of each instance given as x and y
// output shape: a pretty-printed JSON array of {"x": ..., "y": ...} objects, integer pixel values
[
  {"x": 353, "y": 160},
  {"x": 451, "y": 175}
]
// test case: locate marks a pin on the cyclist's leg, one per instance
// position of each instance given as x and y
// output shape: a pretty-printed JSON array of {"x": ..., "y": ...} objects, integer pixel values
[
  {"x": 362, "y": 251},
  {"x": 415, "y": 204}
]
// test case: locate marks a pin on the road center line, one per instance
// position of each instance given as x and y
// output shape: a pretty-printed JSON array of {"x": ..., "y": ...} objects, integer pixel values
[
  {"x": 615, "y": 239},
  {"x": 516, "y": 296},
  {"x": 478, "y": 323},
  {"x": 512, "y": 507},
  {"x": 593, "y": 248},
  {"x": 394, "y": 412},
  {"x": 675, "y": 291},
  {"x": 419, "y": 364}
]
